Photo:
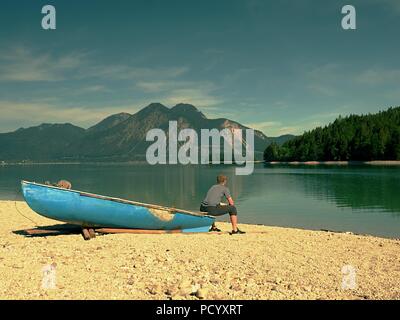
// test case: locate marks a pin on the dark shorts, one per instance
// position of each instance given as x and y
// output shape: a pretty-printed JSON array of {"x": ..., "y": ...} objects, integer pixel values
[{"x": 219, "y": 210}]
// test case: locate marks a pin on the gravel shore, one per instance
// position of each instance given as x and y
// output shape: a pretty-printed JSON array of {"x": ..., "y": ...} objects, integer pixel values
[{"x": 265, "y": 263}]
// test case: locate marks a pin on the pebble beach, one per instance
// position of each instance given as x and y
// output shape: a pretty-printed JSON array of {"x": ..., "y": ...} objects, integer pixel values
[{"x": 266, "y": 263}]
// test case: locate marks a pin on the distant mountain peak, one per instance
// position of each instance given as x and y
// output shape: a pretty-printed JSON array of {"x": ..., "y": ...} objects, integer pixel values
[
  {"x": 109, "y": 122},
  {"x": 122, "y": 114},
  {"x": 44, "y": 142},
  {"x": 121, "y": 136},
  {"x": 155, "y": 106},
  {"x": 152, "y": 108},
  {"x": 187, "y": 109},
  {"x": 45, "y": 126},
  {"x": 49, "y": 125},
  {"x": 184, "y": 107}
]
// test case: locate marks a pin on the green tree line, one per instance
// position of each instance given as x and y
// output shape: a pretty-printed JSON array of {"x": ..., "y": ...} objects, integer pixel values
[{"x": 355, "y": 138}]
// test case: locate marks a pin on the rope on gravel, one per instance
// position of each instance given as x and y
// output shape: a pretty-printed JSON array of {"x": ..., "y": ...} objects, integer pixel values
[{"x": 17, "y": 191}]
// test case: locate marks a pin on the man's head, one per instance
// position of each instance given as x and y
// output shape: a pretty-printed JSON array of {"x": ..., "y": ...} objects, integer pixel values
[{"x": 221, "y": 179}]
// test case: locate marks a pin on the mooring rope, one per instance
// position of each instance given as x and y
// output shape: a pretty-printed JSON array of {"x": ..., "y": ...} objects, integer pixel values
[{"x": 17, "y": 191}]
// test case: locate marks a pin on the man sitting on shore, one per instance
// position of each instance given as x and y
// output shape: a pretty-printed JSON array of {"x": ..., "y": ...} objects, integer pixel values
[{"x": 212, "y": 204}]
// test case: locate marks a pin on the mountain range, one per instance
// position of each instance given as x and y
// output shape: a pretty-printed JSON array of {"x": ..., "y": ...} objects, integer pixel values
[{"x": 119, "y": 137}]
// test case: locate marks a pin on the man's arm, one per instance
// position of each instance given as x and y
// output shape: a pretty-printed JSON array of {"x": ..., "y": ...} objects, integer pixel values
[{"x": 228, "y": 197}]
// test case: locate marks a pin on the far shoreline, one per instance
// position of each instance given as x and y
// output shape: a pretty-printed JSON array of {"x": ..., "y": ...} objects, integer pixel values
[
  {"x": 339, "y": 163},
  {"x": 140, "y": 162}
]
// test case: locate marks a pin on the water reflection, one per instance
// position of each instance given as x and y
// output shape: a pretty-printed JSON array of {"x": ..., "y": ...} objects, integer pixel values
[{"x": 361, "y": 199}]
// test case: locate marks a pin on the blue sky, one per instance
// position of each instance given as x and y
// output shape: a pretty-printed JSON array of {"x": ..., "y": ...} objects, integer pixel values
[{"x": 279, "y": 66}]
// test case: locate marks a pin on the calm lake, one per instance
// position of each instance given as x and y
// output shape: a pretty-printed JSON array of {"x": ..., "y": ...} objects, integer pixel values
[{"x": 361, "y": 199}]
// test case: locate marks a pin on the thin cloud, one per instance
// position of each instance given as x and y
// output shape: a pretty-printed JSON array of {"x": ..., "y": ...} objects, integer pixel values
[
  {"x": 153, "y": 86},
  {"x": 94, "y": 88},
  {"x": 164, "y": 85},
  {"x": 34, "y": 113},
  {"x": 200, "y": 94},
  {"x": 323, "y": 79},
  {"x": 21, "y": 64},
  {"x": 376, "y": 76},
  {"x": 196, "y": 97},
  {"x": 277, "y": 128},
  {"x": 265, "y": 126},
  {"x": 322, "y": 89},
  {"x": 392, "y": 5},
  {"x": 124, "y": 72}
]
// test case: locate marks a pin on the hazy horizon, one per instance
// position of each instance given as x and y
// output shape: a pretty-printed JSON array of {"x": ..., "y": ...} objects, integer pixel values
[{"x": 96, "y": 122}]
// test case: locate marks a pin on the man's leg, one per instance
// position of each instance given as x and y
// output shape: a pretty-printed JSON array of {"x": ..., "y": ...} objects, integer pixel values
[
  {"x": 214, "y": 227},
  {"x": 233, "y": 218},
  {"x": 221, "y": 210},
  {"x": 211, "y": 211}
]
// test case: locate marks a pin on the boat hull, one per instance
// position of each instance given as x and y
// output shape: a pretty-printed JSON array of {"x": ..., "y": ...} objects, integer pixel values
[{"x": 90, "y": 210}]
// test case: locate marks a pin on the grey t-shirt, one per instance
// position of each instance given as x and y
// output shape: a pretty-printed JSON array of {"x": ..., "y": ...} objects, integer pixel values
[{"x": 215, "y": 194}]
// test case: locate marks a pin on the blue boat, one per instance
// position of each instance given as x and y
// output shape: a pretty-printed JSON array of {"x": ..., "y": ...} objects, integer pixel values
[{"x": 95, "y": 211}]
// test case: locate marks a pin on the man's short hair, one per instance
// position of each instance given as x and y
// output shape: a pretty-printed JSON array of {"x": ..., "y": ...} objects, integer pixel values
[{"x": 221, "y": 178}]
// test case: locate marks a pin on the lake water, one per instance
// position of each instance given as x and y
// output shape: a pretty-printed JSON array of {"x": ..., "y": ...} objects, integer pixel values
[{"x": 361, "y": 199}]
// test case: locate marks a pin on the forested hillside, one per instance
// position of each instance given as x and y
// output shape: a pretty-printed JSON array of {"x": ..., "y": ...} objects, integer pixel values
[{"x": 356, "y": 137}]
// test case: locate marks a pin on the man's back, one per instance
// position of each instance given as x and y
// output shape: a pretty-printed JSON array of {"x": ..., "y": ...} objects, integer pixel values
[{"x": 215, "y": 194}]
